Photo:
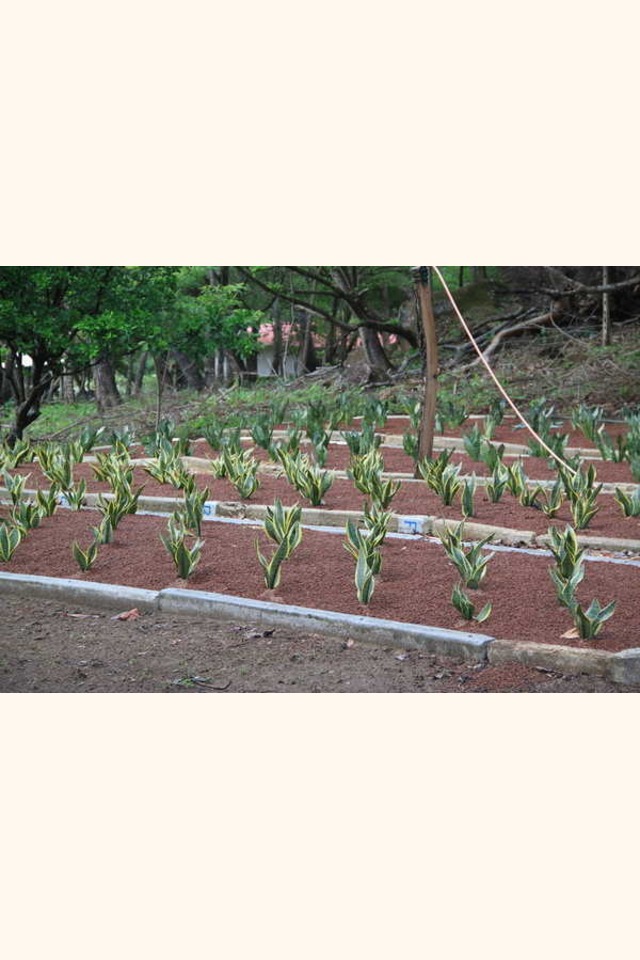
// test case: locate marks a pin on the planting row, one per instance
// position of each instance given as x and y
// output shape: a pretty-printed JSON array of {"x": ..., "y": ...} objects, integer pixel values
[
  {"x": 507, "y": 499},
  {"x": 562, "y": 598}
]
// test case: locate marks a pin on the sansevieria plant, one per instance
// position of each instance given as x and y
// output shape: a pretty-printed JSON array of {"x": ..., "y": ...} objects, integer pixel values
[
  {"x": 470, "y": 563},
  {"x": 10, "y": 537},
  {"x": 630, "y": 504},
  {"x": 283, "y": 523},
  {"x": 85, "y": 558},
  {"x": 466, "y": 606},
  {"x": 185, "y": 558},
  {"x": 364, "y": 576},
  {"x": 282, "y": 526}
]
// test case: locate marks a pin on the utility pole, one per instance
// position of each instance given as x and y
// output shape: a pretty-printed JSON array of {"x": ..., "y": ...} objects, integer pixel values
[{"x": 422, "y": 280}]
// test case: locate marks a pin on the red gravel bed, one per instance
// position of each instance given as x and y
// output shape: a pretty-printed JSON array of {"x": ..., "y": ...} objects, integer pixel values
[
  {"x": 414, "y": 498},
  {"x": 397, "y": 461},
  {"x": 509, "y": 431},
  {"x": 415, "y": 585}
]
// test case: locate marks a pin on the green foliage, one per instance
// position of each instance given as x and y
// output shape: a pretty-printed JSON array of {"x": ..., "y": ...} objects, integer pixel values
[
  {"x": 376, "y": 412},
  {"x": 167, "y": 467},
  {"x": 451, "y": 411},
  {"x": 90, "y": 437},
  {"x": 119, "y": 505},
  {"x": 241, "y": 469},
  {"x": 185, "y": 558},
  {"x": 431, "y": 468},
  {"x": 47, "y": 502},
  {"x": 589, "y": 622},
  {"x": 85, "y": 558},
  {"x": 630, "y": 504},
  {"x": 194, "y": 502},
  {"x": 364, "y": 577},
  {"x": 307, "y": 479},
  {"x": 26, "y": 516},
  {"x": 566, "y": 587},
  {"x": 262, "y": 431},
  {"x": 369, "y": 540},
  {"x": 15, "y": 486},
  {"x": 283, "y": 524},
  {"x": 466, "y": 497},
  {"x": 589, "y": 420},
  {"x": 442, "y": 477},
  {"x": 103, "y": 533},
  {"x": 57, "y": 463},
  {"x": 464, "y": 605},
  {"x": 290, "y": 444},
  {"x": 470, "y": 563},
  {"x": 554, "y": 441},
  {"x": 516, "y": 479},
  {"x": 10, "y": 537},
  {"x": 361, "y": 442},
  {"x": 10, "y": 458},
  {"x": 552, "y": 499},
  {"x": 411, "y": 445},
  {"x": 608, "y": 451},
  {"x": 365, "y": 469},
  {"x": 272, "y": 566},
  {"x": 114, "y": 468},
  {"x": 220, "y": 434},
  {"x": 474, "y": 442},
  {"x": 566, "y": 551},
  {"x": 497, "y": 484},
  {"x": 582, "y": 492},
  {"x": 320, "y": 441},
  {"x": 76, "y": 496},
  {"x": 492, "y": 455}
]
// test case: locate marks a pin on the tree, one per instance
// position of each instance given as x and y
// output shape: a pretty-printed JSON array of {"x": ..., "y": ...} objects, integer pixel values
[
  {"x": 64, "y": 318},
  {"x": 355, "y": 300}
]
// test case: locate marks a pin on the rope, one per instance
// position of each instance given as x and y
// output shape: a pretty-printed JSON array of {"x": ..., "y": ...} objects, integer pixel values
[{"x": 485, "y": 363}]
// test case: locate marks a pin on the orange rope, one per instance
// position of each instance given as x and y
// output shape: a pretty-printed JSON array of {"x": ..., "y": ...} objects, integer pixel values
[{"x": 493, "y": 376}]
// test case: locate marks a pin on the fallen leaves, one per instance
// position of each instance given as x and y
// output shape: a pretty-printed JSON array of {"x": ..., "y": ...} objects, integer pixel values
[{"x": 128, "y": 615}]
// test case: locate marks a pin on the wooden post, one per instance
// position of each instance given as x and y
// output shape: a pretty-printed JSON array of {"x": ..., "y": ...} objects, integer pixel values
[
  {"x": 606, "y": 310},
  {"x": 422, "y": 278}
]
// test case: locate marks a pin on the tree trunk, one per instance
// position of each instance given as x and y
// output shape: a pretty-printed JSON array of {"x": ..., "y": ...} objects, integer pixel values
[
  {"x": 140, "y": 373},
  {"x": 188, "y": 369},
  {"x": 278, "y": 357},
  {"x": 377, "y": 361},
  {"x": 67, "y": 393},
  {"x": 107, "y": 393},
  {"x": 308, "y": 358}
]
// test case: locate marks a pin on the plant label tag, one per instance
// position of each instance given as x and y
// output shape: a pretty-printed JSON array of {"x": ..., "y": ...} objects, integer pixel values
[
  {"x": 411, "y": 525},
  {"x": 209, "y": 509}
]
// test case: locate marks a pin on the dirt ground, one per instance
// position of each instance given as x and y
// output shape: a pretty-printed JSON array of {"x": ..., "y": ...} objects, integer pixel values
[{"x": 50, "y": 647}]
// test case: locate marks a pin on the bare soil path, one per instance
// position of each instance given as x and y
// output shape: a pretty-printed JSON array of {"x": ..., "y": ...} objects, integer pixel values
[{"x": 50, "y": 647}]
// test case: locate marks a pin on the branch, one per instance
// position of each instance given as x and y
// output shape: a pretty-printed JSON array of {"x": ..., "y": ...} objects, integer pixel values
[
  {"x": 578, "y": 287},
  {"x": 540, "y": 320},
  {"x": 371, "y": 321}
]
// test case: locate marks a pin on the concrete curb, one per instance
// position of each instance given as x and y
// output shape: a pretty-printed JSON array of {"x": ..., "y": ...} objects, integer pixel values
[
  {"x": 53, "y": 588},
  {"x": 368, "y": 629},
  {"x": 622, "y": 668},
  {"x": 419, "y": 525}
]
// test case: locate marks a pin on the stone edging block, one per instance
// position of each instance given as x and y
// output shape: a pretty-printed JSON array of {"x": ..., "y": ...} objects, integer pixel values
[{"x": 622, "y": 668}]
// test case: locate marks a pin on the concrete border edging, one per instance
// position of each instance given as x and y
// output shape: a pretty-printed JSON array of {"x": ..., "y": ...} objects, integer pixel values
[
  {"x": 411, "y": 636},
  {"x": 104, "y": 594},
  {"x": 622, "y": 668}
]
